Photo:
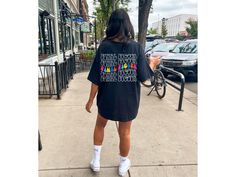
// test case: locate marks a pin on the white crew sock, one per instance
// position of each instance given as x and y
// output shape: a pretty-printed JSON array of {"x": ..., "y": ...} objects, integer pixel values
[
  {"x": 97, "y": 152},
  {"x": 122, "y": 159}
]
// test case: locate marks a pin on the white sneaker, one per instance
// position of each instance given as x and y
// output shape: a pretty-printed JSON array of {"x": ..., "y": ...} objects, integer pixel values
[
  {"x": 95, "y": 166},
  {"x": 124, "y": 167}
]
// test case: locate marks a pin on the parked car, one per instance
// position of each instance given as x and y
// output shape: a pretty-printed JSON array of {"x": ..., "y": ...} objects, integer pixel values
[
  {"x": 152, "y": 37},
  {"x": 151, "y": 44},
  {"x": 162, "y": 49},
  {"x": 183, "y": 58},
  {"x": 171, "y": 40}
]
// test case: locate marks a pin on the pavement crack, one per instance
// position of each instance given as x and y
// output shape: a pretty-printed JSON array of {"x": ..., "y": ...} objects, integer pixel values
[{"x": 132, "y": 166}]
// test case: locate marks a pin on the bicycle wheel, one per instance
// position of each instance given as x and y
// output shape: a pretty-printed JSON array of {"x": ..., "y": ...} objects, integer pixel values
[
  {"x": 149, "y": 82},
  {"x": 160, "y": 84}
]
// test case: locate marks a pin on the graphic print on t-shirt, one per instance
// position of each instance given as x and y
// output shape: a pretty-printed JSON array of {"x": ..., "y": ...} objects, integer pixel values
[{"x": 121, "y": 68}]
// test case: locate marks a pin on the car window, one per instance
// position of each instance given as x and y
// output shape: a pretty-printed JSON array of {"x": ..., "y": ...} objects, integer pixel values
[
  {"x": 160, "y": 48},
  {"x": 186, "y": 47},
  {"x": 148, "y": 45},
  {"x": 171, "y": 46},
  {"x": 164, "y": 47}
]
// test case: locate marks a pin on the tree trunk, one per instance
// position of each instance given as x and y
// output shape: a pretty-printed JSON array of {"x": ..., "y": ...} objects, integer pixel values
[{"x": 143, "y": 13}]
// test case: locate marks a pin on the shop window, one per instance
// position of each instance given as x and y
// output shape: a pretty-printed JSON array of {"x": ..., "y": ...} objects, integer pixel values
[
  {"x": 46, "y": 37},
  {"x": 67, "y": 38},
  {"x": 64, "y": 37}
]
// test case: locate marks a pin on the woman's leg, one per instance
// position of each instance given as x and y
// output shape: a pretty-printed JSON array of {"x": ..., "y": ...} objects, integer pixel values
[
  {"x": 99, "y": 130},
  {"x": 98, "y": 139},
  {"x": 124, "y": 133}
]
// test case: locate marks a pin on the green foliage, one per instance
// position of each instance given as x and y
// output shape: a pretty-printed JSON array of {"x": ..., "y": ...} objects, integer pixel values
[
  {"x": 152, "y": 31},
  {"x": 180, "y": 37},
  {"x": 163, "y": 29},
  {"x": 103, "y": 11},
  {"x": 87, "y": 54},
  {"x": 193, "y": 28}
]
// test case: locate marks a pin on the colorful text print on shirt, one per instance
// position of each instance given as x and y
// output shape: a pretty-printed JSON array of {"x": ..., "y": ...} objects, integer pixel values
[{"x": 118, "y": 68}]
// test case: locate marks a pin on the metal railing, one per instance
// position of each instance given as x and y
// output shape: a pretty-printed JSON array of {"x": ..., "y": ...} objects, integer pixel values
[
  {"x": 53, "y": 79},
  {"x": 181, "y": 89}
]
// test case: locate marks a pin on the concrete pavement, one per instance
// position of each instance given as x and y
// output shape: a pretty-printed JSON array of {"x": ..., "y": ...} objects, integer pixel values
[{"x": 164, "y": 141}]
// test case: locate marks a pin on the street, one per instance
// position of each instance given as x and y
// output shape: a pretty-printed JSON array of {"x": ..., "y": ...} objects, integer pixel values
[{"x": 190, "y": 84}]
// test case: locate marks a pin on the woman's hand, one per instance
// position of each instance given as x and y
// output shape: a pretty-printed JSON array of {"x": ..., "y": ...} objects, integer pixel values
[
  {"x": 89, "y": 105},
  {"x": 154, "y": 61},
  {"x": 93, "y": 92}
]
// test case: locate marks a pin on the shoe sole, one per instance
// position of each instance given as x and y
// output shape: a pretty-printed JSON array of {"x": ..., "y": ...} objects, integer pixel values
[
  {"x": 124, "y": 173},
  {"x": 94, "y": 169}
]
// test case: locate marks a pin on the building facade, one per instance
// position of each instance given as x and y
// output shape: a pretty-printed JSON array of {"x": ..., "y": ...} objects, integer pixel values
[
  {"x": 175, "y": 24},
  {"x": 58, "y": 34}
]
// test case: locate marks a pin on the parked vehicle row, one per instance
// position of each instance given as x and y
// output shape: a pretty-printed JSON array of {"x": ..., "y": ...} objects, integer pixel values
[{"x": 181, "y": 56}]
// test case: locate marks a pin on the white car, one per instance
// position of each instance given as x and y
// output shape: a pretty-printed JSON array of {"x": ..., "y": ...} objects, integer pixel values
[
  {"x": 162, "y": 49},
  {"x": 183, "y": 58},
  {"x": 151, "y": 44}
]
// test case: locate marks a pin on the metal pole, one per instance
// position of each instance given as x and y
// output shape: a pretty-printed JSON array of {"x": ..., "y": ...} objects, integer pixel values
[
  {"x": 56, "y": 30},
  {"x": 57, "y": 79},
  {"x": 71, "y": 33},
  {"x": 181, "y": 93},
  {"x": 61, "y": 25},
  {"x": 40, "y": 147}
]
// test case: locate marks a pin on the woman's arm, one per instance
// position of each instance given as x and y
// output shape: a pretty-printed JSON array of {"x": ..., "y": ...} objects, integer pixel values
[
  {"x": 93, "y": 92},
  {"x": 153, "y": 62}
]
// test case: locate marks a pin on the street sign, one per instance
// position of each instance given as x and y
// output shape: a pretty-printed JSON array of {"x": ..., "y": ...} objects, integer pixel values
[
  {"x": 85, "y": 27},
  {"x": 79, "y": 20}
]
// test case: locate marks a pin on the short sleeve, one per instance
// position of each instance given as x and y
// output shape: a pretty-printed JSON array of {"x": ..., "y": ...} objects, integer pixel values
[
  {"x": 144, "y": 72},
  {"x": 94, "y": 74}
]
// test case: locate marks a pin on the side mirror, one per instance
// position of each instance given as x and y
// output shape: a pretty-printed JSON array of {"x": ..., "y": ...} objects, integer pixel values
[{"x": 171, "y": 50}]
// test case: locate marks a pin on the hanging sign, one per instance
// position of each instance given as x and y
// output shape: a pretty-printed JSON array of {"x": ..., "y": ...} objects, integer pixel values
[
  {"x": 85, "y": 27},
  {"x": 79, "y": 20}
]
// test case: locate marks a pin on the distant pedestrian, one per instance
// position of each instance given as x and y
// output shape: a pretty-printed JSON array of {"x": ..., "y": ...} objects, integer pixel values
[{"x": 118, "y": 68}]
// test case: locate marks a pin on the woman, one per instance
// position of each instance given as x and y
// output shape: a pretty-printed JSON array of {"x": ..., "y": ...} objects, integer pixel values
[{"x": 118, "y": 68}]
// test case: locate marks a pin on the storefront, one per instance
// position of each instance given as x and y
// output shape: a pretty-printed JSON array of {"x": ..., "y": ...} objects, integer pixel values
[{"x": 58, "y": 34}]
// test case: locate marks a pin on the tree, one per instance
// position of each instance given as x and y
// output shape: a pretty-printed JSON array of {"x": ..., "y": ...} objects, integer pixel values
[
  {"x": 152, "y": 31},
  {"x": 103, "y": 12},
  {"x": 163, "y": 28},
  {"x": 180, "y": 37},
  {"x": 192, "y": 29},
  {"x": 143, "y": 13}
]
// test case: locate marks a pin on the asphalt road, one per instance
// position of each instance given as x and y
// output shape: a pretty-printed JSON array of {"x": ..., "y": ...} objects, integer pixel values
[{"x": 190, "y": 84}]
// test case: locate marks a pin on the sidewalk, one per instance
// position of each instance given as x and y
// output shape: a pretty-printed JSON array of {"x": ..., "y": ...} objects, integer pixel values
[{"x": 164, "y": 141}]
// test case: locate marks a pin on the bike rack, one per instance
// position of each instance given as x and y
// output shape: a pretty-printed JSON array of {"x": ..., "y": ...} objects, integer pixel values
[{"x": 181, "y": 89}]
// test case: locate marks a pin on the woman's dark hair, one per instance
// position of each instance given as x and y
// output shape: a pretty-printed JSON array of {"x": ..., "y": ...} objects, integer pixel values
[{"x": 119, "y": 26}]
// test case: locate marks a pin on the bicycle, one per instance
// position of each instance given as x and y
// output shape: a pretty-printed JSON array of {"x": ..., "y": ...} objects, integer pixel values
[{"x": 157, "y": 82}]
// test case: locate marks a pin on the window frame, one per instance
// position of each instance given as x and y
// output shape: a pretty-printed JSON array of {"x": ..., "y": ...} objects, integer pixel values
[{"x": 46, "y": 36}]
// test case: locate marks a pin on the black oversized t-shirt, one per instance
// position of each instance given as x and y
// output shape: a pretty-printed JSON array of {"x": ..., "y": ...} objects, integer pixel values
[{"x": 118, "y": 68}]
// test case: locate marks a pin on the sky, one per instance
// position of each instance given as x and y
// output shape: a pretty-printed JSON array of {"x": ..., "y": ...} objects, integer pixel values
[{"x": 161, "y": 8}]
